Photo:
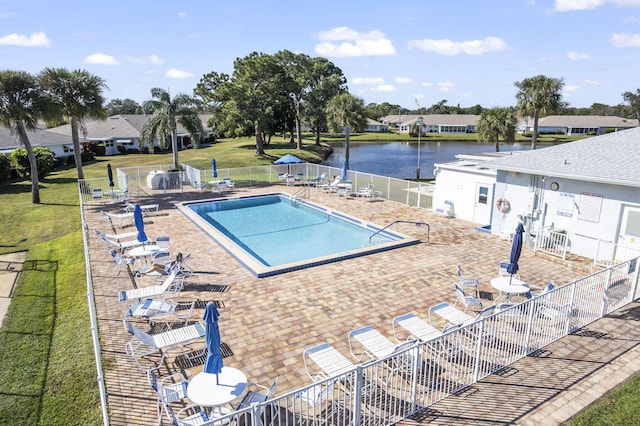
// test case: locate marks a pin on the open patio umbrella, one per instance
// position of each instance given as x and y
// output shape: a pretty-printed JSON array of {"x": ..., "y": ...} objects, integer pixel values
[
  {"x": 288, "y": 159},
  {"x": 110, "y": 174},
  {"x": 516, "y": 249},
  {"x": 213, "y": 167},
  {"x": 139, "y": 222},
  {"x": 213, "y": 364}
]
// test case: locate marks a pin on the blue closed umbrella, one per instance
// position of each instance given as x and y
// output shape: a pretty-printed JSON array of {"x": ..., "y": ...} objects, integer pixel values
[
  {"x": 516, "y": 249},
  {"x": 344, "y": 170},
  {"x": 213, "y": 363},
  {"x": 139, "y": 222},
  {"x": 213, "y": 167},
  {"x": 110, "y": 174}
]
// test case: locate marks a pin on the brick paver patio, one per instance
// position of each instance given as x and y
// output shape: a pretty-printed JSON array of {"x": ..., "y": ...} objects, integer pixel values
[{"x": 268, "y": 322}]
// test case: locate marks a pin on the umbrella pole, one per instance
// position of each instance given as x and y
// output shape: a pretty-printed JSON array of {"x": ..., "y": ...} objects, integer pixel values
[{"x": 217, "y": 383}]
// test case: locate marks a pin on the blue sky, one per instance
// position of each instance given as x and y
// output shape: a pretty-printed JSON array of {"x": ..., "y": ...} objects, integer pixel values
[{"x": 404, "y": 52}]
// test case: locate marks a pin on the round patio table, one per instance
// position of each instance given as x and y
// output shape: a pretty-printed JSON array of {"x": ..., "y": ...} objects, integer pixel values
[
  {"x": 509, "y": 286},
  {"x": 205, "y": 390}
]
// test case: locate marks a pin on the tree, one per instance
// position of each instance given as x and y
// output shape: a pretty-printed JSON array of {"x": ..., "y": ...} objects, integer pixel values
[
  {"x": 167, "y": 113},
  {"x": 495, "y": 123},
  {"x": 633, "y": 99},
  {"x": 346, "y": 111},
  {"x": 126, "y": 106},
  {"x": 22, "y": 104},
  {"x": 539, "y": 95},
  {"x": 78, "y": 95}
]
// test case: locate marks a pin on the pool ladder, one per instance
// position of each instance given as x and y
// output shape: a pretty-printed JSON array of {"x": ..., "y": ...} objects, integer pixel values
[
  {"x": 418, "y": 224},
  {"x": 301, "y": 193}
]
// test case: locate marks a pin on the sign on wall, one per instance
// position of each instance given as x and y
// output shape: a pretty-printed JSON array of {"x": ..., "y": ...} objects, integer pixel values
[
  {"x": 565, "y": 204},
  {"x": 590, "y": 206}
]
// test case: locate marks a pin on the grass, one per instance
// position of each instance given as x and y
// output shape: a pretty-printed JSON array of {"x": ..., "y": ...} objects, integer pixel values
[
  {"x": 620, "y": 407},
  {"x": 47, "y": 367}
]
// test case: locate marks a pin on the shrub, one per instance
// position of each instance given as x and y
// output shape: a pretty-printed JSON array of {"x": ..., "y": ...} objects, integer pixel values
[
  {"x": 44, "y": 161},
  {"x": 87, "y": 156},
  {"x": 101, "y": 150},
  {"x": 5, "y": 167}
]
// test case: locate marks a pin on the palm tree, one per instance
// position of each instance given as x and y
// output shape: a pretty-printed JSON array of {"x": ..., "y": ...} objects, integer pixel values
[
  {"x": 167, "y": 113},
  {"x": 78, "y": 95},
  {"x": 346, "y": 111},
  {"x": 495, "y": 123},
  {"x": 22, "y": 104},
  {"x": 539, "y": 95}
]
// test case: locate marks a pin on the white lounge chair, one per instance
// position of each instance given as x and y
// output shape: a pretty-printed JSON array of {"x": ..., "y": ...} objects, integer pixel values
[
  {"x": 123, "y": 219},
  {"x": 121, "y": 261},
  {"x": 416, "y": 327},
  {"x": 367, "y": 191},
  {"x": 146, "y": 208},
  {"x": 118, "y": 237},
  {"x": 450, "y": 314},
  {"x": 121, "y": 245},
  {"x": 143, "y": 343},
  {"x": 171, "y": 286},
  {"x": 330, "y": 186}
]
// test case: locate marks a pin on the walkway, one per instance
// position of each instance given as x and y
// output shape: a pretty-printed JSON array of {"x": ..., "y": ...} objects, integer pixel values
[
  {"x": 10, "y": 266},
  {"x": 267, "y": 323}
]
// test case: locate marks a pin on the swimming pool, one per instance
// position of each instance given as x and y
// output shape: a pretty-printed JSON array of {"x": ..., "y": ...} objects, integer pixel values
[{"x": 273, "y": 234}]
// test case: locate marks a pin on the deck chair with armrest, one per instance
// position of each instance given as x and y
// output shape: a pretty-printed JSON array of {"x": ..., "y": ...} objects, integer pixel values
[
  {"x": 171, "y": 286},
  {"x": 467, "y": 281},
  {"x": 270, "y": 412},
  {"x": 169, "y": 389},
  {"x": 143, "y": 344},
  {"x": 467, "y": 300},
  {"x": 121, "y": 261}
]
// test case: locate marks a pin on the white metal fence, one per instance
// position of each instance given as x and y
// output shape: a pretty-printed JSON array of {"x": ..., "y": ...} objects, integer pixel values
[
  {"x": 385, "y": 391},
  {"x": 138, "y": 181}
]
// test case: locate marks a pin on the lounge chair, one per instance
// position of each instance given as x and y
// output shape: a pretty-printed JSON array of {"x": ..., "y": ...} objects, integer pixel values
[
  {"x": 146, "y": 208},
  {"x": 96, "y": 194},
  {"x": 416, "y": 327},
  {"x": 121, "y": 245},
  {"x": 143, "y": 343},
  {"x": 123, "y": 219},
  {"x": 330, "y": 186},
  {"x": 171, "y": 286},
  {"x": 367, "y": 191},
  {"x": 121, "y": 261},
  {"x": 230, "y": 184},
  {"x": 450, "y": 314},
  {"x": 118, "y": 237},
  {"x": 316, "y": 181}
]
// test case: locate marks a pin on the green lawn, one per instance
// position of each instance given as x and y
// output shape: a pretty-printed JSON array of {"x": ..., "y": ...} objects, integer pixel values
[{"x": 47, "y": 368}]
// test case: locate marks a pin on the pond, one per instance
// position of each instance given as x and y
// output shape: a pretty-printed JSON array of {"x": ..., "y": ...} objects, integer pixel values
[{"x": 400, "y": 159}]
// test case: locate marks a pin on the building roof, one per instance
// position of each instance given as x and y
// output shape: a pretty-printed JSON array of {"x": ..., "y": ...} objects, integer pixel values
[
  {"x": 36, "y": 138},
  {"x": 586, "y": 121},
  {"x": 611, "y": 158}
]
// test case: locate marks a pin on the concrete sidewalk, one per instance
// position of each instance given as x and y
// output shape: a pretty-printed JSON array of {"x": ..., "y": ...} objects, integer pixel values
[{"x": 10, "y": 267}]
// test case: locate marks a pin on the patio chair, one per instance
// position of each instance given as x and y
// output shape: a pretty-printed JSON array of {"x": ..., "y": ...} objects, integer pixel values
[
  {"x": 96, "y": 194},
  {"x": 171, "y": 286},
  {"x": 120, "y": 244},
  {"x": 121, "y": 261},
  {"x": 230, "y": 184},
  {"x": 367, "y": 191},
  {"x": 468, "y": 281},
  {"x": 330, "y": 186},
  {"x": 146, "y": 208},
  {"x": 117, "y": 237},
  {"x": 318, "y": 407},
  {"x": 169, "y": 389},
  {"x": 123, "y": 219},
  {"x": 194, "y": 415},
  {"x": 502, "y": 270},
  {"x": 252, "y": 397},
  {"x": 316, "y": 181},
  {"x": 468, "y": 301}
]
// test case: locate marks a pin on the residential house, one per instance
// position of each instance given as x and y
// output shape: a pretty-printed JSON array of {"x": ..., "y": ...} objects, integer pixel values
[
  {"x": 578, "y": 125},
  {"x": 60, "y": 145},
  {"x": 376, "y": 126},
  {"x": 588, "y": 190}
]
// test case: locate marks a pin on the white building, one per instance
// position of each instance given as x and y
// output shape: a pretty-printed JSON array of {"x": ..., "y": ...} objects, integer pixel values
[{"x": 588, "y": 190}]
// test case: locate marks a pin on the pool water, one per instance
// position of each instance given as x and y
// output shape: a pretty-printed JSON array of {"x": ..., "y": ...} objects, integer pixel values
[{"x": 273, "y": 234}]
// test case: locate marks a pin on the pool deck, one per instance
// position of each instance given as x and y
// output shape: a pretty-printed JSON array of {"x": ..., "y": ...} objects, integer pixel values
[{"x": 266, "y": 323}]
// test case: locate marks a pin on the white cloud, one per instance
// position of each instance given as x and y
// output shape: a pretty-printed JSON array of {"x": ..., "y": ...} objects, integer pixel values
[
  {"x": 182, "y": 15},
  {"x": 427, "y": 84},
  {"x": 569, "y": 5},
  {"x": 416, "y": 96},
  {"x": 575, "y": 56},
  {"x": 178, "y": 74},
  {"x": 571, "y": 88},
  {"x": 152, "y": 59},
  {"x": 368, "y": 80},
  {"x": 384, "y": 88},
  {"x": 34, "y": 40},
  {"x": 403, "y": 80},
  {"x": 101, "y": 59},
  {"x": 468, "y": 47},
  {"x": 592, "y": 82},
  {"x": 445, "y": 86},
  {"x": 344, "y": 41},
  {"x": 625, "y": 40}
]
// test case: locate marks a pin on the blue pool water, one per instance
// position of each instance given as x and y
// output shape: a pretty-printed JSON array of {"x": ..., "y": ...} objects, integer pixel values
[{"x": 281, "y": 235}]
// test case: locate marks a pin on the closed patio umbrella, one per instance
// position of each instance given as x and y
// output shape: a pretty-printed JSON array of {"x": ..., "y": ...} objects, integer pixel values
[
  {"x": 213, "y": 364},
  {"x": 344, "y": 171},
  {"x": 213, "y": 168},
  {"x": 139, "y": 222},
  {"x": 110, "y": 174},
  {"x": 516, "y": 249}
]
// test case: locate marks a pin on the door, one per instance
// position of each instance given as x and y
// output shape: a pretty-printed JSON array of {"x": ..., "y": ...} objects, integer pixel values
[
  {"x": 482, "y": 209},
  {"x": 629, "y": 239}
]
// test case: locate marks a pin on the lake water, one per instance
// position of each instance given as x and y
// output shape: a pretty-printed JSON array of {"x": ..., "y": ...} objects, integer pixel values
[{"x": 400, "y": 159}]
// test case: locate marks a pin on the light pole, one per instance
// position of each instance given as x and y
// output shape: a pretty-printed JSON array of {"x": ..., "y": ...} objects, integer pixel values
[{"x": 419, "y": 123}]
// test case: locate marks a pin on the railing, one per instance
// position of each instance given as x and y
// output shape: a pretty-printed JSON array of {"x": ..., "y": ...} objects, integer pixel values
[
  {"x": 553, "y": 242},
  {"x": 380, "y": 393},
  {"x": 301, "y": 193},
  {"x": 418, "y": 224}
]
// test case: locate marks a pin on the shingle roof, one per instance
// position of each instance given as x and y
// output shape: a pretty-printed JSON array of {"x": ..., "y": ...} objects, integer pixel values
[
  {"x": 36, "y": 138},
  {"x": 611, "y": 158},
  {"x": 586, "y": 121}
]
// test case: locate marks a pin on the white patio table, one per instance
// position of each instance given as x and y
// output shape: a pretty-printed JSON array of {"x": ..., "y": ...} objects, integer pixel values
[
  {"x": 509, "y": 286},
  {"x": 205, "y": 390}
]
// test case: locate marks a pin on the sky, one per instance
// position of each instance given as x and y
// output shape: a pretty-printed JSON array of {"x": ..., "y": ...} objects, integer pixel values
[{"x": 414, "y": 53}]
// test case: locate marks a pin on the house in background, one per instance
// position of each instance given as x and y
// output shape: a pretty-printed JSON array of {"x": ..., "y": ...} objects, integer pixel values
[
  {"x": 578, "y": 125},
  {"x": 376, "y": 126},
  {"x": 60, "y": 145},
  {"x": 587, "y": 191}
]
